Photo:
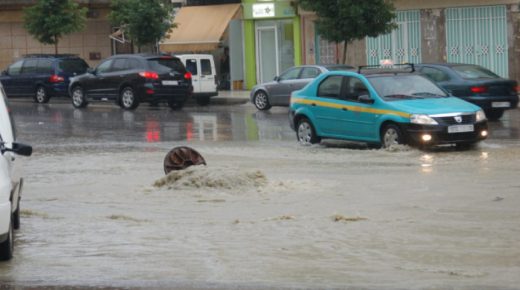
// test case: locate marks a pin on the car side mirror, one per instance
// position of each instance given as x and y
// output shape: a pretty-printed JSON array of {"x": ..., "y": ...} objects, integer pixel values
[
  {"x": 276, "y": 79},
  {"x": 365, "y": 99},
  {"x": 4, "y": 73},
  {"x": 91, "y": 70},
  {"x": 18, "y": 148}
]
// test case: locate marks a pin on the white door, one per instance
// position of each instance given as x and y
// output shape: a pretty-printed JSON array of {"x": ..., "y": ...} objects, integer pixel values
[
  {"x": 266, "y": 53},
  {"x": 193, "y": 67},
  {"x": 207, "y": 80}
]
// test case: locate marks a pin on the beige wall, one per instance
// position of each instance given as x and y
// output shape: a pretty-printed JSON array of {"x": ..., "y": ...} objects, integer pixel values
[{"x": 16, "y": 42}]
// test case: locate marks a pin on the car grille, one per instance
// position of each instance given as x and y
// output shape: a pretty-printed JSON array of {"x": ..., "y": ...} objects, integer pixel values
[{"x": 466, "y": 119}]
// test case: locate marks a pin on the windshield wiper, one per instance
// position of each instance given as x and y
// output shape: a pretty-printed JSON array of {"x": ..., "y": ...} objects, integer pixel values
[
  {"x": 427, "y": 94},
  {"x": 400, "y": 96}
]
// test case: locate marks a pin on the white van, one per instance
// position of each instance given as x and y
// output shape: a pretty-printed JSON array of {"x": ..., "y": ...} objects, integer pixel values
[{"x": 204, "y": 76}]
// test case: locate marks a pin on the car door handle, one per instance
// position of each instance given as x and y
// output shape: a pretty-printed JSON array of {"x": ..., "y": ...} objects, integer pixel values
[
  {"x": 313, "y": 104},
  {"x": 344, "y": 109}
]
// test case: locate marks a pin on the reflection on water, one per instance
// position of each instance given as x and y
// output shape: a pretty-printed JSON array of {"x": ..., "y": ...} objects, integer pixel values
[{"x": 98, "y": 123}]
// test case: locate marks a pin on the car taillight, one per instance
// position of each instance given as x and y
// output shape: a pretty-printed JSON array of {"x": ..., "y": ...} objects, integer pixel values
[
  {"x": 187, "y": 75},
  {"x": 149, "y": 75},
  {"x": 56, "y": 79},
  {"x": 478, "y": 90},
  {"x": 517, "y": 89}
]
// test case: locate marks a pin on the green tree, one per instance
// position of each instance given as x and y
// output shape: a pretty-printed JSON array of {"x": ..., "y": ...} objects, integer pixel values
[
  {"x": 48, "y": 20},
  {"x": 143, "y": 21},
  {"x": 348, "y": 20}
]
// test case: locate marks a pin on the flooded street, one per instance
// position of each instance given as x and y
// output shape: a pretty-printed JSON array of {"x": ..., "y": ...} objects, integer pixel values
[{"x": 265, "y": 213}]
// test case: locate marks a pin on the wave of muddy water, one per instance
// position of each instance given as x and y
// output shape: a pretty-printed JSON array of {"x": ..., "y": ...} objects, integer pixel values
[{"x": 274, "y": 215}]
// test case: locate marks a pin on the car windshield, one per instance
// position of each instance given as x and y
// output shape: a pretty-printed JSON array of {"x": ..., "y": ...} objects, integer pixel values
[
  {"x": 71, "y": 66},
  {"x": 410, "y": 86},
  {"x": 166, "y": 64},
  {"x": 474, "y": 72}
]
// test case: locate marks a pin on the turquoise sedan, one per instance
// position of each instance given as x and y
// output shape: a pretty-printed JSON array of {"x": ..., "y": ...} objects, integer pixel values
[{"x": 383, "y": 107}]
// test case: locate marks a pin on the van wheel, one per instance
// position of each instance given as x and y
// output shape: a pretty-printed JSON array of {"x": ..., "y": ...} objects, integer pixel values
[
  {"x": 78, "y": 97},
  {"x": 203, "y": 101},
  {"x": 391, "y": 135},
  {"x": 40, "y": 95},
  {"x": 7, "y": 246},
  {"x": 175, "y": 105},
  {"x": 305, "y": 132},
  {"x": 261, "y": 101},
  {"x": 128, "y": 99}
]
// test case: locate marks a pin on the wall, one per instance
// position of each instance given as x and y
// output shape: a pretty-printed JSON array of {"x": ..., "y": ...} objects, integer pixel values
[{"x": 16, "y": 42}]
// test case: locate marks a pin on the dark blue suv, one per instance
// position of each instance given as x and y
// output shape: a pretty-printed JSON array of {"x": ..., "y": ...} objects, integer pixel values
[{"x": 42, "y": 76}]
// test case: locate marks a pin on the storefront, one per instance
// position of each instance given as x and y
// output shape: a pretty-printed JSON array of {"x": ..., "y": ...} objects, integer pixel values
[{"x": 271, "y": 39}]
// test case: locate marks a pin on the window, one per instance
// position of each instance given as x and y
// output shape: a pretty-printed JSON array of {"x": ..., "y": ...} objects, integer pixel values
[
  {"x": 291, "y": 74},
  {"x": 30, "y": 66},
  {"x": 355, "y": 88},
  {"x": 73, "y": 65},
  {"x": 191, "y": 66},
  {"x": 104, "y": 67},
  {"x": 166, "y": 64},
  {"x": 205, "y": 67},
  {"x": 474, "y": 72},
  {"x": 120, "y": 64},
  {"x": 15, "y": 69},
  {"x": 134, "y": 64},
  {"x": 435, "y": 74},
  {"x": 330, "y": 87},
  {"x": 309, "y": 73},
  {"x": 45, "y": 66}
]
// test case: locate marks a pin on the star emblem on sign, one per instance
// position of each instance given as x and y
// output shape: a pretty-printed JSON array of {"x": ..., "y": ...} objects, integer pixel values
[{"x": 267, "y": 10}]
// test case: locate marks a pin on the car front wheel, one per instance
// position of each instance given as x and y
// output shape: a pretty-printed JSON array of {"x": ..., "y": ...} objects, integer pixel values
[
  {"x": 128, "y": 99},
  {"x": 78, "y": 97},
  {"x": 40, "y": 95},
  {"x": 391, "y": 135},
  {"x": 494, "y": 115},
  {"x": 305, "y": 133},
  {"x": 261, "y": 101}
]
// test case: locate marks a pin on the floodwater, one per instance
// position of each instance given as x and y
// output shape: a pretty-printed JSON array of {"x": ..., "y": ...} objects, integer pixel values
[{"x": 265, "y": 213}]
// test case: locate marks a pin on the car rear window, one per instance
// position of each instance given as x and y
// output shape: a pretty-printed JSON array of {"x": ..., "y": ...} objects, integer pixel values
[
  {"x": 166, "y": 64},
  {"x": 474, "y": 72},
  {"x": 72, "y": 65}
]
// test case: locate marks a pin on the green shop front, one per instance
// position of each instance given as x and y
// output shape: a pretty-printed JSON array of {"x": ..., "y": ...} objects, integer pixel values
[{"x": 271, "y": 39}]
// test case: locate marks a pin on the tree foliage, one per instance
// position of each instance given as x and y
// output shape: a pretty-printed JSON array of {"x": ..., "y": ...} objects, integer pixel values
[
  {"x": 143, "y": 21},
  {"x": 349, "y": 20},
  {"x": 48, "y": 20}
]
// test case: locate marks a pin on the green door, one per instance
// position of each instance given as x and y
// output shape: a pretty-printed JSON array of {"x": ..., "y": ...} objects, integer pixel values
[
  {"x": 402, "y": 44},
  {"x": 478, "y": 35}
]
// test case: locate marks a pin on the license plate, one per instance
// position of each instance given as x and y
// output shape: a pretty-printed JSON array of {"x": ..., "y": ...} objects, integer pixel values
[
  {"x": 170, "y": 83},
  {"x": 500, "y": 104},
  {"x": 461, "y": 128}
]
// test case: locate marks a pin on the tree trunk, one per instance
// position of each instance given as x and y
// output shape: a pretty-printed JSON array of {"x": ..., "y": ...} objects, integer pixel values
[
  {"x": 56, "y": 47},
  {"x": 345, "y": 46}
]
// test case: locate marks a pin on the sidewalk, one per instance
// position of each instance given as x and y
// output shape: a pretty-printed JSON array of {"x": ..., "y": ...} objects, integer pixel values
[{"x": 231, "y": 97}]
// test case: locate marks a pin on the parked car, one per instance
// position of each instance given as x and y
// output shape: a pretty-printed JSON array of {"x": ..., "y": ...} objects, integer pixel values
[
  {"x": 203, "y": 76},
  {"x": 383, "y": 107},
  {"x": 42, "y": 76},
  {"x": 278, "y": 91},
  {"x": 10, "y": 184},
  {"x": 476, "y": 85},
  {"x": 129, "y": 79}
]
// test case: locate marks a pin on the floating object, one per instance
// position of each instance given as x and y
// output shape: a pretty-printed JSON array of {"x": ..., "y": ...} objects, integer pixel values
[{"x": 182, "y": 157}]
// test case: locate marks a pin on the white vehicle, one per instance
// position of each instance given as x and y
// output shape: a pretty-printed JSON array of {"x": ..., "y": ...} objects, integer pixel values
[
  {"x": 203, "y": 76},
  {"x": 10, "y": 185}
]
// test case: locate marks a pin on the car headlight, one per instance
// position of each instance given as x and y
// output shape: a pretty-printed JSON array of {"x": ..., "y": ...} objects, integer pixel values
[
  {"x": 422, "y": 119},
  {"x": 481, "y": 116}
]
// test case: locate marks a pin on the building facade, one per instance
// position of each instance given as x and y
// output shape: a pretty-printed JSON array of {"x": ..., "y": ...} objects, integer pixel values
[
  {"x": 472, "y": 31},
  {"x": 92, "y": 44}
]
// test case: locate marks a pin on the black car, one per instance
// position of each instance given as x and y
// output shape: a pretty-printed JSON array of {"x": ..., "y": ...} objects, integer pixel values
[
  {"x": 130, "y": 79},
  {"x": 42, "y": 76},
  {"x": 476, "y": 85}
]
